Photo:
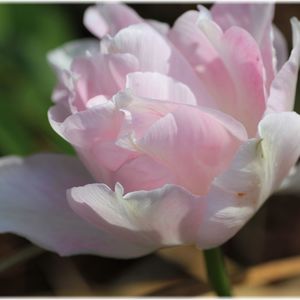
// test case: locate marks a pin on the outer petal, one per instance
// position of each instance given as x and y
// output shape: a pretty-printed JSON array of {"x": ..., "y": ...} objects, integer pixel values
[
  {"x": 81, "y": 129},
  {"x": 61, "y": 59},
  {"x": 109, "y": 18},
  {"x": 33, "y": 204},
  {"x": 93, "y": 133},
  {"x": 258, "y": 170},
  {"x": 257, "y": 20},
  {"x": 283, "y": 88},
  {"x": 163, "y": 217}
]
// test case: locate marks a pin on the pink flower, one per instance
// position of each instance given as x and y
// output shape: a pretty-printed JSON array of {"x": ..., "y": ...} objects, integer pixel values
[{"x": 186, "y": 132}]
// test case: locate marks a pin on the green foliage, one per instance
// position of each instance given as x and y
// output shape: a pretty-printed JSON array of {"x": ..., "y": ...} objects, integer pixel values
[{"x": 27, "y": 33}]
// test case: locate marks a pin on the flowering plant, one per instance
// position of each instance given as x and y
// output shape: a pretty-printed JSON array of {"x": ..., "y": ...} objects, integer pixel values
[{"x": 185, "y": 132}]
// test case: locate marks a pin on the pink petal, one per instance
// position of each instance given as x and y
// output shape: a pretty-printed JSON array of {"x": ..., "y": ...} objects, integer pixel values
[
  {"x": 156, "y": 54},
  {"x": 101, "y": 122},
  {"x": 159, "y": 87},
  {"x": 257, "y": 20},
  {"x": 283, "y": 88},
  {"x": 33, "y": 204},
  {"x": 230, "y": 61},
  {"x": 142, "y": 112},
  {"x": 142, "y": 41},
  {"x": 192, "y": 144},
  {"x": 109, "y": 18},
  {"x": 100, "y": 75},
  {"x": 163, "y": 217},
  {"x": 198, "y": 51},
  {"x": 91, "y": 132},
  {"x": 61, "y": 59},
  {"x": 171, "y": 216},
  {"x": 143, "y": 173}
]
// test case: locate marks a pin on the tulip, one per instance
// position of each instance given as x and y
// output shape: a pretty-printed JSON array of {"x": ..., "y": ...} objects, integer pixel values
[{"x": 182, "y": 133}]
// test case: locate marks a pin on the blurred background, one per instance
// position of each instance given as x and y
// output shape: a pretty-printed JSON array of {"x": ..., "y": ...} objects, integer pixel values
[{"x": 263, "y": 259}]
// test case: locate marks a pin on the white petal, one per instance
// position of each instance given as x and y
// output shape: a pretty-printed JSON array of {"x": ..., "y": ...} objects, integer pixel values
[
  {"x": 33, "y": 204},
  {"x": 162, "y": 217},
  {"x": 62, "y": 57}
]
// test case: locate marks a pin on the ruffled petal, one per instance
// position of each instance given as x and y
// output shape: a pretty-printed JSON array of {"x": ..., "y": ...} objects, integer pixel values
[
  {"x": 164, "y": 217},
  {"x": 33, "y": 204}
]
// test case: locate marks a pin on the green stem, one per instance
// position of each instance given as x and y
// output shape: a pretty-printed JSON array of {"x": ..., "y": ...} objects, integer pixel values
[{"x": 216, "y": 272}]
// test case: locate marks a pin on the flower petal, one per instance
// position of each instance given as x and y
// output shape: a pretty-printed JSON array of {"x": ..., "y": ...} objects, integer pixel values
[
  {"x": 191, "y": 143},
  {"x": 171, "y": 215},
  {"x": 101, "y": 122},
  {"x": 256, "y": 18},
  {"x": 100, "y": 74},
  {"x": 156, "y": 54},
  {"x": 143, "y": 173},
  {"x": 258, "y": 169},
  {"x": 92, "y": 132},
  {"x": 160, "y": 87},
  {"x": 161, "y": 27},
  {"x": 33, "y": 204},
  {"x": 231, "y": 61},
  {"x": 141, "y": 40},
  {"x": 281, "y": 47},
  {"x": 142, "y": 113},
  {"x": 62, "y": 57},
  {"x": 103, "y": 19},
  {"x": 163, "y": 217},
  {"x": 283, "y": 88}
]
